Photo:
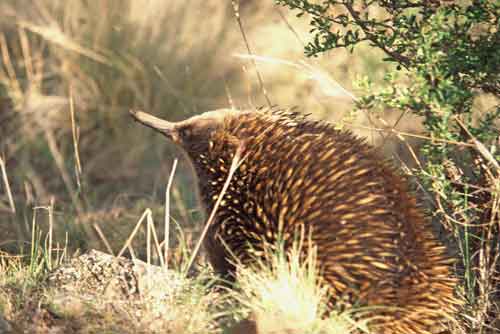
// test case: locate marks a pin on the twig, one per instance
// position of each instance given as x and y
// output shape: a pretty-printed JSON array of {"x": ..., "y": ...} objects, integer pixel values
[
  {"x": 236, "y": 8},
  {"x": 479, "y": 146},
  {"x": 328, "y": 85},
  {"x": 404, "y": 61},
  {"x": 237, "y": 160},
  {"x": 289, "y": 26},
  {"x": 407, "y": 134}
]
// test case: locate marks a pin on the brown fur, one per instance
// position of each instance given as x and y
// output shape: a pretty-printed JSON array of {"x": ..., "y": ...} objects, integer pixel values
[{"x": 374, "y": 246}]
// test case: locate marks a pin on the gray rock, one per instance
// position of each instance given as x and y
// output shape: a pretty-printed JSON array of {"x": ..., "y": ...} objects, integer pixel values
[{"x": 98, "y": 273}]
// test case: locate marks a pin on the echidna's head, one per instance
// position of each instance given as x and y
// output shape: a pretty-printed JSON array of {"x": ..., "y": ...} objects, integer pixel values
[{"x": 192, "y": 134}]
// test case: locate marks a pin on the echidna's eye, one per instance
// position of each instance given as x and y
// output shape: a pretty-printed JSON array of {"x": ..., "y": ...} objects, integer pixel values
[{"x": 185, "y": 132}]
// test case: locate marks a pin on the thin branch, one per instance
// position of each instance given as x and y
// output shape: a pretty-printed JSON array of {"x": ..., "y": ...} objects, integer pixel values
[
  {"x": 479, "y": 146},
  {"x": 237, "y": 160},
  {"x": 408, "y": 134},
  {"x": 289, "y": 26},
  {"x": 236, "y": 7},
  {"x": 355, "y": 15}
]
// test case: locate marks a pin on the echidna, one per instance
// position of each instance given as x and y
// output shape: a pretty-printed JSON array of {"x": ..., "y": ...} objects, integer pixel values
[{"x": 374, "y": 245}]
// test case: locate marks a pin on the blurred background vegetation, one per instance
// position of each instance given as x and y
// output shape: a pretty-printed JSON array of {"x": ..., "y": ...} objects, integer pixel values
[{"x": 96, "y": 60}]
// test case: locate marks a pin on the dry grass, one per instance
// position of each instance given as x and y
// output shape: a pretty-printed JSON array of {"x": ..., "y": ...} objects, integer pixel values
[
  {"x": 71, "y": 70},
  {"x": 284, "y": 295}
]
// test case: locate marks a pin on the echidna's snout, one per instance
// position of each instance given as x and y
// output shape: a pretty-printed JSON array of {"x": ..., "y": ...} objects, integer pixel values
[
  {"x": 168, "y": 129},
  {"x": 191, "y": 133}
]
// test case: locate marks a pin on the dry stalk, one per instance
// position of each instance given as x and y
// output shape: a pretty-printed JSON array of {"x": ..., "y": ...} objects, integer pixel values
[
  {"x": 51, "y": 229},
  {"x": 9, "y": 68},
  {"x": 134, "y": 232},
  {"x": 158, "y": 247},
  {"x": 75, "y": 140},
  {"x": 103, "y": 238},
  {"x": 167, "y": 211},
  {"x": 33, "y": 234},
  {"x": 131, "y": 251},
  {"x": 49, "y": 236},
  {"x": 149, "y": 226},
  {"x": 25, "y": 49},
  {"x": 237, "y": 160},
  {"x": 7, "y": 186}
]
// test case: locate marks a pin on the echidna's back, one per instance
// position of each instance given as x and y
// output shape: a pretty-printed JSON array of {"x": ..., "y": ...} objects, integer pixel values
[
  {"x": 374, "y": 246},
  {"x": 422, "y": 288}
]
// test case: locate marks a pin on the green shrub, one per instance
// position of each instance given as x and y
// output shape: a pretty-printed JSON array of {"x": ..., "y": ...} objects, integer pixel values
[{"x": 446, "y": 60}]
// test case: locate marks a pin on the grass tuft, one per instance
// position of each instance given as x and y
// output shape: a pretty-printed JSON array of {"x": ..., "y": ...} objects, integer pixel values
[{"x": 283, "y": 294}]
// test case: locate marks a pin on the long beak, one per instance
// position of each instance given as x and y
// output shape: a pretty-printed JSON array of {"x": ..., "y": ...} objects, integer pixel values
[{"x": 164, "y": 127}]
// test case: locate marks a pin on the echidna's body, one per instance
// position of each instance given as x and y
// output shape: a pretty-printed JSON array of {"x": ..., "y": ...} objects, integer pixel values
[{"x": 374, "y": 246}]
